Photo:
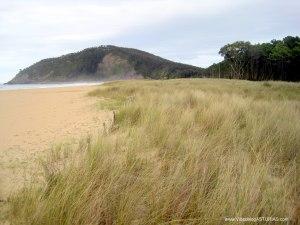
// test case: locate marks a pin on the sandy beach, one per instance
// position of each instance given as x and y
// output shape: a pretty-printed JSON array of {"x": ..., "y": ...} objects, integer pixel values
[{"x": 32, "y": 121}]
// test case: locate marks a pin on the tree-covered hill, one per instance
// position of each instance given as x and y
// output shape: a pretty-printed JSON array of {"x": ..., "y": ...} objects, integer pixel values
[
  {"x": 275, "y": 60},
  {"x": 104, "y": 63}
]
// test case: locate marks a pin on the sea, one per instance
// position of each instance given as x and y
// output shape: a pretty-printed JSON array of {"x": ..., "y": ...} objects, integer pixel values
[{"x": 4, "y": 87}]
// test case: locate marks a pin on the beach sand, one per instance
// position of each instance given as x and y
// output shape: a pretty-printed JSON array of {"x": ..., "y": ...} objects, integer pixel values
[{"x": 32, "y": 121}]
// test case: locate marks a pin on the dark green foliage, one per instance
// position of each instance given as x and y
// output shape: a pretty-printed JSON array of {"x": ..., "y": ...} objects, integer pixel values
[
  {"x": 85, "y": 65},
  {"x": 154, "y": 67},
  {"x": 277, "y": 60}
]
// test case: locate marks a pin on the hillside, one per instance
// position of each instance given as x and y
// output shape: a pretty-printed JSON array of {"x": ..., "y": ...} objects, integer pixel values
[{"x": 104, "y": 63}]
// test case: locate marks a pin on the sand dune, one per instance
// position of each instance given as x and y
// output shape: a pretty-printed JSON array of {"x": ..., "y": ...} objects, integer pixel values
[{"x": 31, "y": 121}]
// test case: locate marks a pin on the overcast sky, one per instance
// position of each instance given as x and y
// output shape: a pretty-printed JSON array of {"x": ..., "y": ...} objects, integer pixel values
[{"x": 188, "y": 31}]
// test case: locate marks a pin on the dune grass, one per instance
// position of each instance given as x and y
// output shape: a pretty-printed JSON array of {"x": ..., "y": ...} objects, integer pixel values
[{"x": 190, "y": 151}]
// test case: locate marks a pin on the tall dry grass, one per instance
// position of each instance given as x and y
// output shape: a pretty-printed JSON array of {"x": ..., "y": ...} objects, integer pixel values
[{"x": 180, "y": 152}]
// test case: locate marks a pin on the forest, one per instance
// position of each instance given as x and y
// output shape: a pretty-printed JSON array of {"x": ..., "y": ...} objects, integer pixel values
[
  {"x": 275, "y": 60},
  {"x": 87, "y": 65}
]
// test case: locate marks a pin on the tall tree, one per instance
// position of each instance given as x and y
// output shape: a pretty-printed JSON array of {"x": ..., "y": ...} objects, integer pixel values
[
  {"x": 275, "y": 60},
  {"x": 236, "y": 53}
]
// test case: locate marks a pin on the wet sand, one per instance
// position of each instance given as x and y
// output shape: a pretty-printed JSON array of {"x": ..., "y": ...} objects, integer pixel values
[{"x": 32, "y": 121}]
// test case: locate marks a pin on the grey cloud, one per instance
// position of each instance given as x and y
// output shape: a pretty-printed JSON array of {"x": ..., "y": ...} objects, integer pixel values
[{"x": 186, "y": 31}]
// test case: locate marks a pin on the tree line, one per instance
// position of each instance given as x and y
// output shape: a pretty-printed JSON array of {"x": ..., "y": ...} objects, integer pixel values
[{"x": 275, "y": 60}]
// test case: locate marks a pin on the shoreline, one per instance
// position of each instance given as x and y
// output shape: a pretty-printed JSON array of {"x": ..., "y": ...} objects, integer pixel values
[
  {"x": 9, "y": 87},
  {"x": 34, "y": 120}
]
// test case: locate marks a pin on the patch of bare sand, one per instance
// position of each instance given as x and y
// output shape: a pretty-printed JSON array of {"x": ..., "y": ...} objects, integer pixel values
[{"x": 31, "y": 121}]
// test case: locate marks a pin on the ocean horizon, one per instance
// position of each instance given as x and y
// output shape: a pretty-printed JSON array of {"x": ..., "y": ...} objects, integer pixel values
[{"x": 4, "y": 87}]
